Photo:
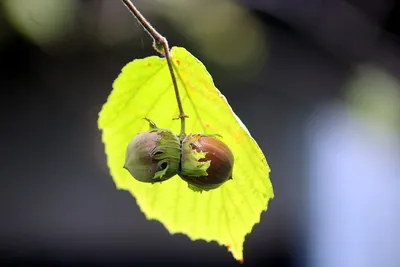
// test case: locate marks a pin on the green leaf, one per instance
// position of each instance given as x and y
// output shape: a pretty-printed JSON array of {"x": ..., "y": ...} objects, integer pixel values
[{"x": 144, "y": 90}]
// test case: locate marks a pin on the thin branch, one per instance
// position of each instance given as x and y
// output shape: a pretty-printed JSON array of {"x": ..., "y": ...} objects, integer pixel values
[{"x": 160, "y": 42}]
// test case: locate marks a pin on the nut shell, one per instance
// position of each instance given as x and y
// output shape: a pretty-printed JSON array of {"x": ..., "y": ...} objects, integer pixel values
[
  {"x": 217, "y": 153},
  {"x": 153, "y": 156}
]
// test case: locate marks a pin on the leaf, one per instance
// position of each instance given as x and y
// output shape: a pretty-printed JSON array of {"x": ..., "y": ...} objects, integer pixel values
[{"x": 144, "y": 90}]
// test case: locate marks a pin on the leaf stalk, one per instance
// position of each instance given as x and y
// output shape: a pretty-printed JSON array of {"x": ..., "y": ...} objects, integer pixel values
[{"x": 160, "y": 44}]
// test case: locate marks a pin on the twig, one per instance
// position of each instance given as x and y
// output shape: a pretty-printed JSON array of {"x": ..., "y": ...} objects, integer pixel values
[{"x": 160, "y": 42}]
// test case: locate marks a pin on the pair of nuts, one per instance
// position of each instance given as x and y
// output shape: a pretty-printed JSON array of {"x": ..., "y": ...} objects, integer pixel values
[{"x": 203, "y": 161}]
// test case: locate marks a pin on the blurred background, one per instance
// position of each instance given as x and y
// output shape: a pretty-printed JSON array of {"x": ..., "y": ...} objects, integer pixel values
[{"x": 316, "y": 82}]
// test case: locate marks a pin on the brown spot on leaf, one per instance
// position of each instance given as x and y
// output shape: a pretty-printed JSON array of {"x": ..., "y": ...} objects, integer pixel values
[{"x": 178, "y": 62}]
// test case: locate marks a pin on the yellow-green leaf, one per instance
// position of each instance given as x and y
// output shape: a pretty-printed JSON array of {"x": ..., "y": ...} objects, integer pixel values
[{"x": 144, "y": 89}]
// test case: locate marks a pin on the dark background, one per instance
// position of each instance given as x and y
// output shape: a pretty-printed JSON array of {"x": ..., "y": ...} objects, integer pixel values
[{"x": 316, "y": 82}]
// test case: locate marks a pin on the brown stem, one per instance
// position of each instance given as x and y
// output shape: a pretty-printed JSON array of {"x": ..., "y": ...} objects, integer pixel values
[{"x": 160, "y": 42}]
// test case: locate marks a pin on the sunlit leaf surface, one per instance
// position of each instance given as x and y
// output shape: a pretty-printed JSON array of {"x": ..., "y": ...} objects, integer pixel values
[{"x": 144, "y": 89}]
